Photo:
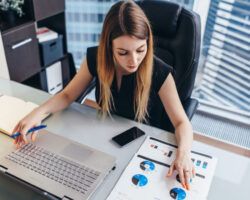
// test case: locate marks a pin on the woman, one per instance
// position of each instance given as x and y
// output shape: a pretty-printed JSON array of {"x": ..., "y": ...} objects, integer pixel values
[{"x": 130, "y": 82}]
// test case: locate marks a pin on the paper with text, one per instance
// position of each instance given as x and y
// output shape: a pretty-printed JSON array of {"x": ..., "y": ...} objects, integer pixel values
[{"x": 145, "y": 176}]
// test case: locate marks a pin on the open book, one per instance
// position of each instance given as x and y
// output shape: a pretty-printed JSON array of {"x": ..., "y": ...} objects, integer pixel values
[
  {"x": 12, "y": 110},
  {"x": 145, "y": 176}
]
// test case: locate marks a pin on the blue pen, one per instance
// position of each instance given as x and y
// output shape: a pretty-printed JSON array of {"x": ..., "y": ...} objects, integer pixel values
[{"x": 36, "y": 128}]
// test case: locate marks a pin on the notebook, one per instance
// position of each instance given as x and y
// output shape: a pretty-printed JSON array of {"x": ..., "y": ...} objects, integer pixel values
[
  {"x": 145, "y": 176},
  {"x": 57, "y": 167},
  {"x": 12, "y": 110}
]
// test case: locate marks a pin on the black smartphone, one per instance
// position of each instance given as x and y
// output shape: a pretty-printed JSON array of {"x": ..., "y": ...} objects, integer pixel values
[{"x": 128, "y": 136}]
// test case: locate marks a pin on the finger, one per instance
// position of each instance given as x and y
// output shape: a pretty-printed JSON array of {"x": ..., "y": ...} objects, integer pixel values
[
  {"x": 16, "y": 128},
  {"x": 193, "y": 172},
  {"x": 15, "y": 141},
  {"x": 24, "y": 139},
  {"x": 18, "y": 138},
  {"x": 170, "y": 171},
  {"x": 23, "y": 134},
  {"x": 182, "y": 178},
  {"x": 187, "y": 179},
  {"x": 18, "y": 142},
  {"x": 22, "y": 143},
  {"x": 35, "y": 133},
  {"x": 33, "y": 136}
]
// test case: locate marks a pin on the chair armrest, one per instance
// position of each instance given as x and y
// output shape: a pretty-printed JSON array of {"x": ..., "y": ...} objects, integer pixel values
[
  {"x": 90, "y": 87},
  {"x": 190, "y": 106}
]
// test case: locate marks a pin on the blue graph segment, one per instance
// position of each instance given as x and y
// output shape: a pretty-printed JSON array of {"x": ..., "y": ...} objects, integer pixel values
[
  {"x": 147, "y": 165},
  {"x": 139, "y": 180},
  {"x": 177, "y": 193}
]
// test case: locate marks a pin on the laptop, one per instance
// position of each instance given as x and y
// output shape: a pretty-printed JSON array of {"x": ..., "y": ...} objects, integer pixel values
[{"x": 57, "y": 167}]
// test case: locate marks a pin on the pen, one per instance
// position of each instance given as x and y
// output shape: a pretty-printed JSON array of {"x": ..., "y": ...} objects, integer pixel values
[{"x": 36, "y": 128}]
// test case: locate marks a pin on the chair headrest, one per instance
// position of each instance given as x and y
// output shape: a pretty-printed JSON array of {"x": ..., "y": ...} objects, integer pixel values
[{"x": 164, "y": 23}]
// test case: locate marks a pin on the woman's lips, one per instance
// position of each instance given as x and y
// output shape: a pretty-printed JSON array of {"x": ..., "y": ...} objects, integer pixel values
[{"x": 131, "y": 67}]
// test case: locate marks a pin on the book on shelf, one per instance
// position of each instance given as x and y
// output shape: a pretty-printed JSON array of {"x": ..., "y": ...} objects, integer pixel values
[{"x": 45, "y": 34}]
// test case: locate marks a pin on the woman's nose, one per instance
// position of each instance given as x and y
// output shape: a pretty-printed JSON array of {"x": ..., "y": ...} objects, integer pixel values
[{"x": 133, "y": 59}]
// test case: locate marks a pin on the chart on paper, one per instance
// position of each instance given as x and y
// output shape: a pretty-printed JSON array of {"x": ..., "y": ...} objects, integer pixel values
[{"x": 145, "y": 176}]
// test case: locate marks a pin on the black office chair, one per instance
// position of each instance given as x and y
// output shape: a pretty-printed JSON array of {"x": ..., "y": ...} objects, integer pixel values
[{"x": 177, "y": 39}]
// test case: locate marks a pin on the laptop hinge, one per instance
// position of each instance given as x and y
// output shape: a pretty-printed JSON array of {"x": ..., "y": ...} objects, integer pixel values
[
  {"x": 3, "y": 169},
  {"x": 66, "y": 198}
]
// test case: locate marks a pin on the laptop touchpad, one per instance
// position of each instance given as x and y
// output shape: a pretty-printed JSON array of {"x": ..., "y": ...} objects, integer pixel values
[{"x": 76, "y": 152}]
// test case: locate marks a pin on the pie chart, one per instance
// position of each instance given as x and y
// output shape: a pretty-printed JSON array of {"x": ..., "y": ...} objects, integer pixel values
[
  {"x": 177, "y": 193},
  {"x": 147, "y": 165},
  {"x": 139, "y": 180}
]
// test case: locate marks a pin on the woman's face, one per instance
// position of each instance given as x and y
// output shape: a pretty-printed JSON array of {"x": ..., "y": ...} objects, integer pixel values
[{"x": 128, "y": 53}]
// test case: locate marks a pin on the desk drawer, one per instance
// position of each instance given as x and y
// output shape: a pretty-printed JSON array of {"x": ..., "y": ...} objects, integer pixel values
[{"x": 22, "y": 52}]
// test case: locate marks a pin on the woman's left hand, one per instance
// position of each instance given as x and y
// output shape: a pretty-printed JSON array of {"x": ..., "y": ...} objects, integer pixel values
[{"x": 184, "y": 165}]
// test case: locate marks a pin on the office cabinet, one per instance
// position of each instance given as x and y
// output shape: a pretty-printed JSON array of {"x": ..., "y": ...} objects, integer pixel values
[
  {"x": 21, "y": 51},
  {"x": 25, "y": 60}
]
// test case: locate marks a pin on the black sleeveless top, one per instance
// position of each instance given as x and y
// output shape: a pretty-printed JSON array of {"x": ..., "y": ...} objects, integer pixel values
[{"x": 124, "y": 98}]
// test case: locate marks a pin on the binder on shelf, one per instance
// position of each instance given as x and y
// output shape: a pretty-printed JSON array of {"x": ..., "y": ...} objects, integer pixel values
[{"x": 51, "y": 78}]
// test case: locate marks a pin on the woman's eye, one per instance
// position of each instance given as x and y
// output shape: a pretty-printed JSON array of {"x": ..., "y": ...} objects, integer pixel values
[
  {"x": 140, "y": 51},
  {"x": 122, "y": 53}
]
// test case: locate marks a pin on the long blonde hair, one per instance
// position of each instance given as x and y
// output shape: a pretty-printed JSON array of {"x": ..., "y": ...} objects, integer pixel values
[{"x": 125, "y": 18}]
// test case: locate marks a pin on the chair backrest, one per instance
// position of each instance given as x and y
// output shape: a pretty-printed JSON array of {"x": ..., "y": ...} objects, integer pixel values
[{"x": 177, "y": 39}]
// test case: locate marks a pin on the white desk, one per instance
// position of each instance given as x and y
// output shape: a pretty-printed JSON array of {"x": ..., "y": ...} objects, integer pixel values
[{"x": 80, "y": 123}]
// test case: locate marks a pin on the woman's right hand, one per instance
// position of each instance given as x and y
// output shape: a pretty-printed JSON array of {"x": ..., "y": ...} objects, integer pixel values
[{"x": 31, "y": 120}]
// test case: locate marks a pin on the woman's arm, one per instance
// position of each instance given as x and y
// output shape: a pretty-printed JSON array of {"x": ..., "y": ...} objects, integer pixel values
[
  {"x": 73, "y": 90},
  {"x": 58, "y": 102},
  {"x": 183, "y": 131}
]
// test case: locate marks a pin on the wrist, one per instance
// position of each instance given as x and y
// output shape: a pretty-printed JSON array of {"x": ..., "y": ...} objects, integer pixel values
[
  {"x": 183, "y": 151},
  {"x": 40, "y": 111}
]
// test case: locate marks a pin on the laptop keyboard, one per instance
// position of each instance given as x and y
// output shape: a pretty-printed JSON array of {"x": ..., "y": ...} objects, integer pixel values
[{"x": 77, "y": 177}]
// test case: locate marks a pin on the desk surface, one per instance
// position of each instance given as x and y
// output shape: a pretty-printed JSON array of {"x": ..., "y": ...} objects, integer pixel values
[{"x": 80, "y": 123}]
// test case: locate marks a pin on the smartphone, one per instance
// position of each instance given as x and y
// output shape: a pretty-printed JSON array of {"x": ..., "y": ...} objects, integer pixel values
[{"x": 128, "y": 136}]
